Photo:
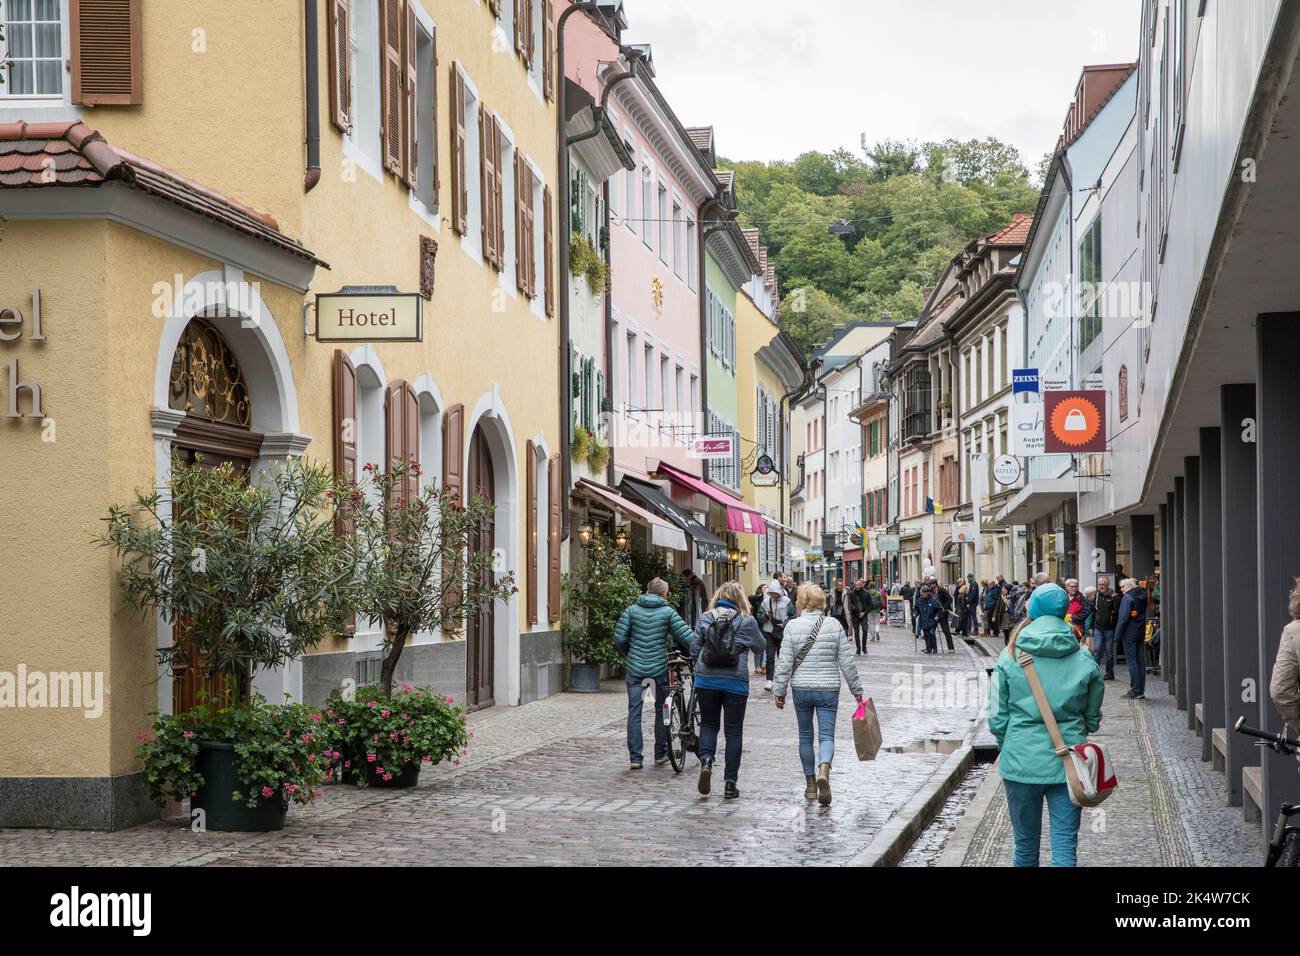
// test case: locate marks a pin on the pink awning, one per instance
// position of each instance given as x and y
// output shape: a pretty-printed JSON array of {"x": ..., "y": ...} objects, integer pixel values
[{"x": 740, "y": 517}]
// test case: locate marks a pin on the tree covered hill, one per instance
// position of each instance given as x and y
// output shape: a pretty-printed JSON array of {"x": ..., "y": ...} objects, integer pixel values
[{"x": 911, "y": 208}]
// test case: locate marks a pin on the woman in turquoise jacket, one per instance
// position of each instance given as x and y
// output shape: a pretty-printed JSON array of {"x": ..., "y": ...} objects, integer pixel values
[{"x": 1031, "y": 771}]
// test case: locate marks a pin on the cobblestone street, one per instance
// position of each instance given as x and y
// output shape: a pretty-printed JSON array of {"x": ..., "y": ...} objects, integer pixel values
[{"x": 549, "y": 783}]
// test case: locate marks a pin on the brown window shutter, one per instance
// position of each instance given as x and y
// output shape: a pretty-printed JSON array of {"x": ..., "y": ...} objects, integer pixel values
[
  {"x": 411, "y": 440},
  {"x": 498, "y": 194},
  {"x": 345, "y": 437},
  {"x": 107, "y": 46},
  {"x": 530, "y": 461},
  {"x": 530, "y": 44},
  {"x": 340, "y": 63},
  {"x": 553, "y": 539},
  {"x": 487, "y": 181},
  {"x": 394, "y": 433},
  {"x": 548, "y": 249},
  {"x": 432, "y": 148},
  {"x": 453, "y": 451},
  {"x": 495, "y": 7},
  {"x": 521, "y": 255},
  {"x": 530, "y": 245},
  {"x": 410, "y": 114},
  {"x": 520, "y": 43},
  {"x": 459, "y": 174},
  {"x": 548, "y": 48},
  {"x": 390, "y": 83}
]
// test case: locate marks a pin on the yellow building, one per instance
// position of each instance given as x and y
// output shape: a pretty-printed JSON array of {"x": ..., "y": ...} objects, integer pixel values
[
  {"x": 135, "y": 287},
  {"x": 770, "y": 371}
]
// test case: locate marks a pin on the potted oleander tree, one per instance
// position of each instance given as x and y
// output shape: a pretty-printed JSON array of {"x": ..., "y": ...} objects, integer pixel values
[
  {"x": 597, "y": 591},
  {"x": 251, "y": 575}
]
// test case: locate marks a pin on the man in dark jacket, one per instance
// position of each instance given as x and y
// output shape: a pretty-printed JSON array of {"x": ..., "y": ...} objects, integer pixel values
[
  {"x": 859, "y": 607},
  {"x": 945, "y": 602},
  {"x": 1104, "y": 618},
  {"x": 642, "y": 635},
  {"x": 928, "y": 613},
  {"x": 1131, "y": 629}
]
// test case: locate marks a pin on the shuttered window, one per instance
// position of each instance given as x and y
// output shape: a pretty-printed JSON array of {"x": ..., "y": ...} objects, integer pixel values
[
  {"x": 107, "y": 67},
  {"x": 548, "y": 48},
  {"x": 410, "y": 105},
  {"x": 489, "y": 155},
  {"x": 340, "y": 63},
  {"x": 391, "y": 80},
  {"x": 345, "y": 437},
  {"x": 530, "y": 537},
  {"x": 459, "y": 174},
  {"x": 402, "y": 414},
  {"x": 548, "y": 249},
  {"x": 553, "y": 547},
  {"x": 525, "y": 238}
]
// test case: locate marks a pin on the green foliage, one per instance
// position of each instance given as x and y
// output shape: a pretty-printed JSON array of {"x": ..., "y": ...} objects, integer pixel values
[
  {"x": 597, "y": 591},
  {"x": 913, "y": 207},
  {"x": 255, "y": 572},
  {"x": 414, "y": 564},
  {"x": 280, "y": 753},
  {"x": 585, "y": 260},
  {"x": 376, "y": 736},
  {"x": 648, "y": 565}
]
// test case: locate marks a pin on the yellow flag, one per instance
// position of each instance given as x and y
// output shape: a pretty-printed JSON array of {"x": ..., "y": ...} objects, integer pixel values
[{"x": 938, "y": 508}]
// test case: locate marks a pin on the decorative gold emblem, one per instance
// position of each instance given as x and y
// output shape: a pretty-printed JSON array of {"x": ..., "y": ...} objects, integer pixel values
[{"x": 657, "y": 294}]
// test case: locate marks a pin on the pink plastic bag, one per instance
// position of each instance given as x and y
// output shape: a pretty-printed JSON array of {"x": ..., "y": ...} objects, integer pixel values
[{"x": 866, "y": 730}]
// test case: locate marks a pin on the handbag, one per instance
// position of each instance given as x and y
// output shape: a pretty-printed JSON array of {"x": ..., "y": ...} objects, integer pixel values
[
  {"x": 866, "y": 730},
  {"x": 1089, "y": 773}
]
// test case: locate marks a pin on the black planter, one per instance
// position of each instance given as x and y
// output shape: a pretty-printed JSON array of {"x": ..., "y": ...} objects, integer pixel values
[
  {"x": 585, "y": 678},
  {"x": 221, "y": 811}
]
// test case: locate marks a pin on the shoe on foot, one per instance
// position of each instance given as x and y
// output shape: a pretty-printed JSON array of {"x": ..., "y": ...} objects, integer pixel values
[
  {"x": 1110, "y": 677},
  {"x": 706, "y": 777},
  {"x": 767, "y": 685},
  {"x": 730, "y": 791},
  {"x": 824, "y": 785},
  {"x": 810, "y": 791},
  {"x": 660, "y": 761},
  {"x": 636, "y": 764},
  {"x": 1128, "y": 695}
]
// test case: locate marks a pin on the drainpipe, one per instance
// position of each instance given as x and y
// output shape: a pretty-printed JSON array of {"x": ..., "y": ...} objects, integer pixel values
[
  {"x": 590, "y": 8},
  {"x": 312, "y": 58}
]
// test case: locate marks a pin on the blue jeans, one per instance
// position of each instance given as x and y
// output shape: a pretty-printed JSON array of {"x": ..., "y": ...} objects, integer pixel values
[
  {"x": 1135, "y": 652},
  {"x": 717, "y": 707},
  {"x": 1105, "y": 652},
  {"x": 1025, "y": 806},
  {"x": 635, "y": 696},
  {"x": 824, "y": 703}
]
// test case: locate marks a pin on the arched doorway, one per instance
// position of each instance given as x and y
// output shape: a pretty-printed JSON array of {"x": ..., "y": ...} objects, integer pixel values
[
  {"x": 480, "y": 660},
  {"x": 207, "y": 384}
]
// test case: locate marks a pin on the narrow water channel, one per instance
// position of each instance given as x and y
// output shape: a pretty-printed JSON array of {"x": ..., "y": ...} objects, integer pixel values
[{"x": 929, "y": 845}]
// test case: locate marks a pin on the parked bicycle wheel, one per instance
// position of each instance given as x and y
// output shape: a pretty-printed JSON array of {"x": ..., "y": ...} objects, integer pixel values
[{"x": 677, "y": 723}]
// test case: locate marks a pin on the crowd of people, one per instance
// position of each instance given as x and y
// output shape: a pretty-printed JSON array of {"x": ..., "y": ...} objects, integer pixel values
[{"x": 799, "y": 638}]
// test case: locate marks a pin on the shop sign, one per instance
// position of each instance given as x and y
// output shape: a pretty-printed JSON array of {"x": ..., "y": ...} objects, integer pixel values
[
  {"x": 369, "y": 317},
  {"x": 887, "y": 542},
  {"x": 1006, "y": 469},
  {"x": 1075, "y": 421},
  {"x": 1028, "y": 430},
  {"x": 13, "y": 324},
  {"x": 712, "y": 448},
  {"x": 1024, "y": 380},
  {"x": 707, "y": 551}
]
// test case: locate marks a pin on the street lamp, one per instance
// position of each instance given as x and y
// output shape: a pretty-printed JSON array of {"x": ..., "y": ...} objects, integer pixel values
[
  {"x": 584, "y": 533},
  {"x": 744, "y": 559},
  {"x": 620, "y": 537},
  {"x": 733, "y": 554}
]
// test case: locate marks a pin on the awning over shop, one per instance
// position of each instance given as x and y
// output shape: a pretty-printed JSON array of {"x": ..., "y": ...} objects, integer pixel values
[
  {"x": 662, "y": 533},
  {"x": 740, "y": 516},
  {"x": 1037, "y": 498},
  {"x": 708, "y": 546}
]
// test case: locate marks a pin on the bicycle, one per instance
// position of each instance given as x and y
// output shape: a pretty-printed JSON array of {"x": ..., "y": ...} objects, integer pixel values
[
  {"x": 1284, "y": 847},
  {"x": 681, "y": 712}
]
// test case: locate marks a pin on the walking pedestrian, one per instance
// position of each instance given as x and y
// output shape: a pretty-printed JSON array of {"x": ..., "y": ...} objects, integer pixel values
[
  {"x": 1031, "y": 771},
  {"x": 1002, "y": 613},
  {"x": 642, "y": 635},
  {"x": 1105, "y": 615},
  {"x": 760, "y": 617},
  {"x": 776, "y": 610},
  {"x": 720, "y": 651},
  {"x": 928, "y": 613},
  {"x": 1131, "y": 629},
  {"x": 814, "y": 657},
  {"x": 839, "y": 606},
  {"x": 859, "y": 608},
  {"x": 1284, "y": 686},
  {"x": 944, "y": 596},
  {"x": 875, "y": 602}
]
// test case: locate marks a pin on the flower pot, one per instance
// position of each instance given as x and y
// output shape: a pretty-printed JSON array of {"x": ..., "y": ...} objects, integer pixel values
[
  {"x": 221, "y": 811},
  {"x": 585, "y": 678},
  {"x": 408, "y": 776}
]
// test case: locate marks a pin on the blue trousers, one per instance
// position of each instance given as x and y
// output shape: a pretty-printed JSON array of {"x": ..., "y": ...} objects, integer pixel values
[
  {"x": 720, "y": 707},
  {"x": 1135, "y": 652},
  {"x": 1025, "y": 806},
  {"x": 824, "y": 704},
  {"x": 1105, "y": 652},
  {"x": 635, "y": 696}
]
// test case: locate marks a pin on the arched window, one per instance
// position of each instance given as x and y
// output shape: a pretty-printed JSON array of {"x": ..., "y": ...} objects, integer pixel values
[{"x": 206, "y": 380}]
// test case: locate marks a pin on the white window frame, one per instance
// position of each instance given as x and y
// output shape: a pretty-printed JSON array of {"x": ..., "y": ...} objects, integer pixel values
[
  {"x": 25, "y": 101},
  {"x": 424, "y": 200},
  {"x": 472, "y": 241},
  {"x": 362, "y": 143},
  {"x": 661, "y": 214},
  {"x": 692, "y": 256},
  {"x": 679, "y": 235}
]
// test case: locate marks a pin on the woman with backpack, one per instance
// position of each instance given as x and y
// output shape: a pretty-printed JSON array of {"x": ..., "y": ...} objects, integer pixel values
[
  {"x": 814, "y": 655},
  {"x": 727, "y": 632},
  {"x": 1031, "y": 770}
]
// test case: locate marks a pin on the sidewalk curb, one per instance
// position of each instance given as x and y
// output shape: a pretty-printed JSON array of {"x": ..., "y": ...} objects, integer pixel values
[{"x": 893, "y": 840}]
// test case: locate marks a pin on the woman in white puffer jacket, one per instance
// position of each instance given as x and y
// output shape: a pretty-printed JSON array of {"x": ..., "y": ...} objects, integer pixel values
[{"x": 816, "y": 683}]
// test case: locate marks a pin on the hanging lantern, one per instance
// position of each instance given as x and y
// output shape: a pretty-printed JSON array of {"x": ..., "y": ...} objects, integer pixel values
[
  {"x": 584, "y": 533},
  {"x": 744, "y": 559},
  {"x": 621, "y": 539}
]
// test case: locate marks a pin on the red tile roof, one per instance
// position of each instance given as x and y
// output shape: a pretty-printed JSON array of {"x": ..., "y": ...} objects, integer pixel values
[
  {"x": 45, "y": 155},
  {"x": 1015, "y": 233}
]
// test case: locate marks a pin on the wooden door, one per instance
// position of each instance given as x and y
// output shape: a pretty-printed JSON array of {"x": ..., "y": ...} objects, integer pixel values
[{"x": 480, "y": 628}]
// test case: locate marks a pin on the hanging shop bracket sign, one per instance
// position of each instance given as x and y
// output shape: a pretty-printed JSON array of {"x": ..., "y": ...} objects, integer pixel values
[{"x": 369, "y": 314}]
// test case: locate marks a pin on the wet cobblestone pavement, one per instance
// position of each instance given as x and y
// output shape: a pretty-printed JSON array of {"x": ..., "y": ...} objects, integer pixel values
[
  {"x": 1170, "y": 809},
  {"x": 549, "y": 783}
]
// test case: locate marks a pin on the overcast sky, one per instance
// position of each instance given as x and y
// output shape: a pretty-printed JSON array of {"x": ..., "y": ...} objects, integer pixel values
[{"x": 776, "y": 78}]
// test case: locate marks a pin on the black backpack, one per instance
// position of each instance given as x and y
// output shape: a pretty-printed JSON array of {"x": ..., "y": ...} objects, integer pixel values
[
  {"x": 720, "y": 644},
  {"x": 877, "y": 601}
]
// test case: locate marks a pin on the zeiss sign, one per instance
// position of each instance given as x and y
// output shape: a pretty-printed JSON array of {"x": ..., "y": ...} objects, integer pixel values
[{"x": 1024, "y": 380}]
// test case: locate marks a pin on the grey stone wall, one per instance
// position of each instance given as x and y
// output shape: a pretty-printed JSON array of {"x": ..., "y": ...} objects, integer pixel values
[
  {"x": 440, "y": 667},
  {"x": 75, "y": 803},
  {"x": 540, "y": 665}
]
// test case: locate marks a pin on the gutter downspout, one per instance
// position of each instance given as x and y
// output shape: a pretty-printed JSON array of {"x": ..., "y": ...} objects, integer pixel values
[
  {"x": 562, "y": 266},
  {"x": 311, "y": 41}
]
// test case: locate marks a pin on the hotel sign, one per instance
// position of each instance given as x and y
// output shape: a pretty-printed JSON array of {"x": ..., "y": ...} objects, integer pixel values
[{"x": 369, "y": 317}]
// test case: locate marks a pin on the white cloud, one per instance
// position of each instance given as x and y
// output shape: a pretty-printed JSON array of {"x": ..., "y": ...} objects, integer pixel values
[{"x": 776, "y": 78}]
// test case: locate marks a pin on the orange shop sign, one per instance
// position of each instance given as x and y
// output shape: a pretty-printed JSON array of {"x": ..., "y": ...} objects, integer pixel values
[{"x": 1074, "y": 421}]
